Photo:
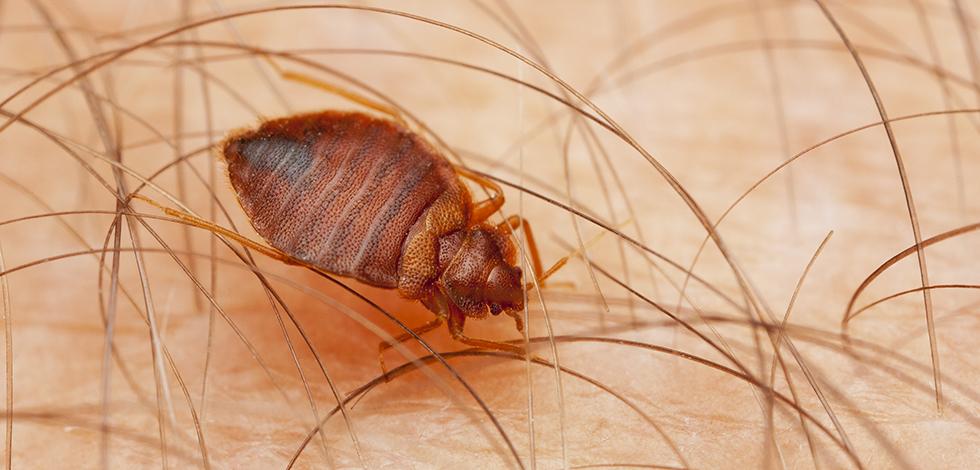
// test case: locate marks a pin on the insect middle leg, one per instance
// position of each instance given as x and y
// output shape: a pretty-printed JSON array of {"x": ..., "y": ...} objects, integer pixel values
[
  {"x": 487, "y": 207},
  {"x": 385, "y": 345},
  {"x": 456, "y": 322}
]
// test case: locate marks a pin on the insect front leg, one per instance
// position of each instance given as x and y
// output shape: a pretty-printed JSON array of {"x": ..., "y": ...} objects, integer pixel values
[
  {"x": 514, "y": 222},
  {"x": 456, "y": 321}
]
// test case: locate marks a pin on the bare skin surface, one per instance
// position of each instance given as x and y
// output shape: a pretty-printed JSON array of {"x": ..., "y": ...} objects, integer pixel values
[{"x": 186, "y": 355}]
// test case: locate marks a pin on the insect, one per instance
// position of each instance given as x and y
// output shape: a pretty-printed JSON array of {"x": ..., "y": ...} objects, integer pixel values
[{"x": 365, "y": 197}]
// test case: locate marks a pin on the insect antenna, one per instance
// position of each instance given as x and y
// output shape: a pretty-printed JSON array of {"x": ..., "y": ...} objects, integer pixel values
[{"x": 564, "y": 259}]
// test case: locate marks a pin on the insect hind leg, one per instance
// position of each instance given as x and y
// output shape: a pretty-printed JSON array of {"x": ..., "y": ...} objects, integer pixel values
[
  {"x": 343, "y": 92},
  {"x": 196, "y": 221}
]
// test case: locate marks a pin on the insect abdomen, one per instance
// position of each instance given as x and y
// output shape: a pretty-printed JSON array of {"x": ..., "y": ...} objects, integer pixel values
[{"x": 340, "y": 191}]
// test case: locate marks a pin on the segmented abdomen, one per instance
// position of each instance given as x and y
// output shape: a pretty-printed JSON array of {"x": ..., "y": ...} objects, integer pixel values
[{"x": 340, "y": 191}]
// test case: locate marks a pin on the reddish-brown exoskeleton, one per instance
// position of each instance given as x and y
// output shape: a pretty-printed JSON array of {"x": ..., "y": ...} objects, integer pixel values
[{"x": 366, "y": 198}]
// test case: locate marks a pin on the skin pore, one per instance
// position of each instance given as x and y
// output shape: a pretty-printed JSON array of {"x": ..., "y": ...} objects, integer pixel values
[{"x": 207, "y": 366}]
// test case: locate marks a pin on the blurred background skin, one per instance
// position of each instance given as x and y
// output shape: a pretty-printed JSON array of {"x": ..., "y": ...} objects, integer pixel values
[{"x": 719, "y": 93}]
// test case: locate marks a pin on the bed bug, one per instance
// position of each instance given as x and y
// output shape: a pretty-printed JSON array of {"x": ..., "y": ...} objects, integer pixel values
[{"x": 366, "y": 198}]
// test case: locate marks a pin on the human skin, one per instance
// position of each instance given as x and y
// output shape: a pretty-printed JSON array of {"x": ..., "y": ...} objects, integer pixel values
[{"x": 709, "y": 114}]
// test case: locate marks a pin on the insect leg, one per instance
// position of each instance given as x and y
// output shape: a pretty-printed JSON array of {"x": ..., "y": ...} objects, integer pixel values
[
  {"x": 483, "y": 209},
  {"x": 384, "y": 345},
  {"x": 218, "y": 230},
  {"x": 513, "y": 223},
  {"x": 553, "y": 269},
  {"x": 337, "y": 90},
  {"x": 458, "y": 319}
]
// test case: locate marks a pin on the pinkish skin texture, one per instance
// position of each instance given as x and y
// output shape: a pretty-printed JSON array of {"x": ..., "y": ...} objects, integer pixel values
[{"x": 711, "y": 122}]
